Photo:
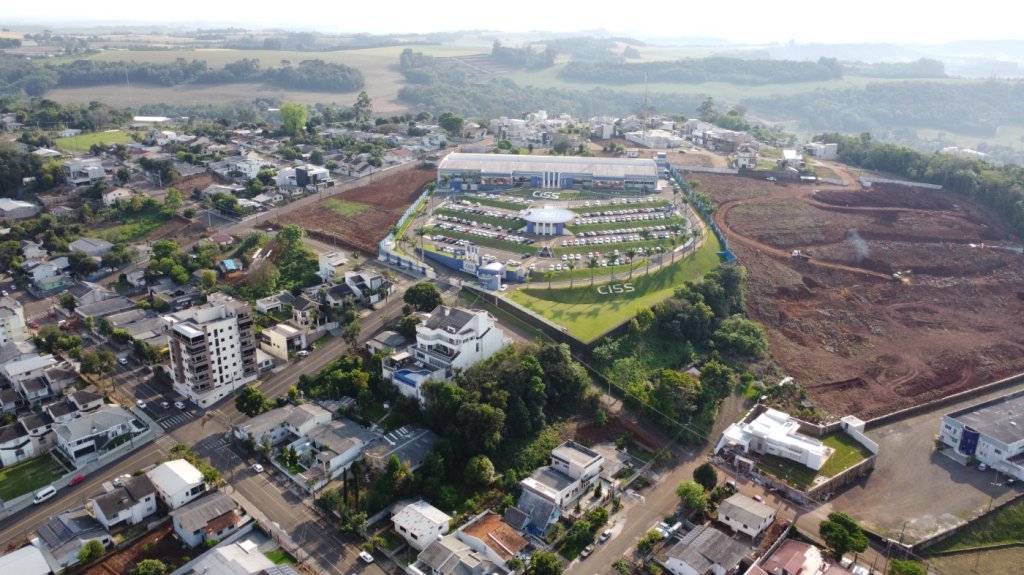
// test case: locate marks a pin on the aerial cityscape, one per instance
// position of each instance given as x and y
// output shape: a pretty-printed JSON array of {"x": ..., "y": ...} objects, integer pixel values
[{"x": 530, "y": 297}]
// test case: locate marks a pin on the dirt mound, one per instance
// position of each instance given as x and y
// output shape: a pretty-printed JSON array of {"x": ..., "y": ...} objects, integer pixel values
[{"x": 859, "y": 343}]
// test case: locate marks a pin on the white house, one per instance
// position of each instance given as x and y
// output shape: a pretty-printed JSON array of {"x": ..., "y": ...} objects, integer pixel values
[
  {"x": 328, "y": 450},
  {"x": 451, "y": 338},
  {"x": 177, "y": 482},
  {"x": 84, "y": 171},
  {"x": 15, "y": 445},
  {"x": 28, "y": 368},
  {"x": 744, "y": 515},
  {"x": 703, "y": 551},
  {"x": 215, "y": 516},
  {"x": 822, "y": 151},
  {"x": 282, "y": 338},
  {"x": 420, "y": 523},
  {"x": 12, "y": 321},
  {"x": 551, "y": 489},
  {"x": 281, "y": 423},
  {"x": 330, "y": 264},
  {"x": 449, "y": 556},
  {"x": 775, "y": 433},
  {"x": 496, "y": 540},
  {"x": 111, "y": 197},
  {"x": 84, "y": 438},
  {"x": 746, "y": 157},
  {"x": 370, "y": 287},
  {"x": 131, "y": 503}
]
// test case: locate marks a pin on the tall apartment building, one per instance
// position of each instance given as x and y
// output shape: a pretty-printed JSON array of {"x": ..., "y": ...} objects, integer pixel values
[
  {"x": 12, "y": 321},
  {"x": 213, "y": 349}
]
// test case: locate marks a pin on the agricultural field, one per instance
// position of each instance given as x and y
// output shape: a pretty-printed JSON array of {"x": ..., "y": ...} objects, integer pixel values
[
  {"x": 361, "y": 217},
  {"x": 587, "y": 313},
  {"x": 82, "y": 142},
  {"x": 861, "y": 341}
]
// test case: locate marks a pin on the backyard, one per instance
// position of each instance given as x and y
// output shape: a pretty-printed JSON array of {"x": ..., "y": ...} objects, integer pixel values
[
  {"x": 587, "y": 313},
  {"x": 27, "y": 477},
  {"x": 847, "y": 453}
]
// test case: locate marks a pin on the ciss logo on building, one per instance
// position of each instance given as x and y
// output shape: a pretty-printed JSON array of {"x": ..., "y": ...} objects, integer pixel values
[{"x": 609, "y": 289}]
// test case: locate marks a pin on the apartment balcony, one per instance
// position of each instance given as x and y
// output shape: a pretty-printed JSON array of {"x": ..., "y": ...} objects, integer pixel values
[{"x": 436, "y": 353}]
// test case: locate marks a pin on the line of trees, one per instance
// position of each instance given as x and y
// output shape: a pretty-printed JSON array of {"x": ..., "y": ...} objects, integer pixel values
[{"x": 713, "y": 69}]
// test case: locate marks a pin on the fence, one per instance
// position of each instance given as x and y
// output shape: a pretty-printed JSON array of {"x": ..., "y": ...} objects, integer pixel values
[
  {"x": 386, "y": 251},
  {"x": 726, "y": 255},
  {"x": 822, "y": 491},
  {"x": 867, "y": 182},
  {"x": 730, "y": 171}
]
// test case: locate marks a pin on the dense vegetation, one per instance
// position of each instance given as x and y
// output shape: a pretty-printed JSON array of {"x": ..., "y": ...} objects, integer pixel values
[
  {"x": 419, "y": 68},
  {"x": 524, "y": 57},
  {"x": 920, "y": 68},
  {"x": 998, "y": 188},
  {"x": 20, "y": 76},
  {"x": 714, "y": 69}
]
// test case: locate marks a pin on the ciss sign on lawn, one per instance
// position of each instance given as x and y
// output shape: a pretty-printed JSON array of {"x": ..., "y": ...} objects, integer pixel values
[{"x": 609, "y": 289}]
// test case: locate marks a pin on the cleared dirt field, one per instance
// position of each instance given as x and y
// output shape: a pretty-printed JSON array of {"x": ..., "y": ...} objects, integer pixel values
[
  {"x": 861, "y": 342},
  {"x": 384, "y": 199}
]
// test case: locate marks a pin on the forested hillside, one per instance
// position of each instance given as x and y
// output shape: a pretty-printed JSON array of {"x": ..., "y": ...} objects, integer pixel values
[{"x": 716, "y": 69}]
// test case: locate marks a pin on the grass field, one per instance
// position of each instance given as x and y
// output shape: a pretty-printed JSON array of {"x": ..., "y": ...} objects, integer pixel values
[
  {"x": 85, "y": 140},
  {"x": 26, "y": 477},
  {"x": 1004, "y": 526},
  {"x": 138, "y": 226},
  {"x": 847, "y": 453},
  {"x": 794, "y": 474},
  {"x": 280, "y": 557},
  {"x": 345, "y": 208},
  {"x": 994, "y": 561},
  {"x": 588, "y": 314}
]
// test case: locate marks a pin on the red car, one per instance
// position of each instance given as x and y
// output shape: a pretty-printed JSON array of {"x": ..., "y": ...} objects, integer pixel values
[
  {"x": 77, "y": 479},
  {"x": 33, "y": 324}
]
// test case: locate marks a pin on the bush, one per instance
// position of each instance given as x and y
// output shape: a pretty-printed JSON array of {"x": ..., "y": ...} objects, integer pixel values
[{"x": 91, "y": 550}]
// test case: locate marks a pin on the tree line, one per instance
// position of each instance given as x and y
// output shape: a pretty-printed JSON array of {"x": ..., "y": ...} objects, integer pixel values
[
  {"x": 35, "y": 80},
  {"x": 525, "y": 57},
  {"x": 697, "y": 70},
  {"x": 999, "y": 188}
]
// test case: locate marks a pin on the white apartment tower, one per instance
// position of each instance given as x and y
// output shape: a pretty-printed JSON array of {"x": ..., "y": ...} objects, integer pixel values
[
  {"x": 12, "y": 321},
  {"x": 213, "y": 349}
]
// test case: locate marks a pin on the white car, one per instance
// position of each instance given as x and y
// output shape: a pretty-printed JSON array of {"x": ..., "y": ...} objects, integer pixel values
[
  {"x": 179, "y": 405},
  {"x": 302, "y": 353},
  {"x": 123, "y": 361},
  {"x": 140, "y": 404},
  {"x": 257, "y": 468},
  {"x": 366, "y": 556}
]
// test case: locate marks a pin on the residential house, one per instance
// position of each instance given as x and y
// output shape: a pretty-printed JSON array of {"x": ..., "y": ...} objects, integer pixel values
[
  {"x": 177, "y": 296},
  {"x": 746, "y": 157},
  {"x": 241, "y": 557},
  {"x": 797, "y": 558},
  {"x": 274, "y": 303},
  {"x": 340, "y": 296},
  {"x": 10, "y": 122},
  {"x": 792, "y": 158},
  {"x": 312, "y": 177},
  {"x": 264, "y": 361},
  {"x": 60, "y": 377},
  {"x": 46, "y": 153},
  {"x": 111, "y": 197},
  {"x": 63, "y": 212},
  {"x": 40, "y": 430},
  {"x": 822, "y": 151},
  {"x": 268, "y": 199},
  {"x": 85, "y": 438},
  {"x": 387, "y": 342},
  {"x": 85, "y": 293},
  {"x": 775, "y": 433},
  {"x": 10, "y": 400},
  {"x": 28, "y": 560},
  {"x": 86, "y": 171},
  {"x": 63, "y": 536},
  {"x": 16, "y": 209},
  {"x": 420, "y": 524},
  {"x": 744, "y": 515},
  {"x": 94, "y": 247},
  {"x": 554, "y": 488},
  {"x": 277, "y": 425},
  {"x": 411, "y": 445},
  {"x": 214, "y": 516},
  {"x": 305, "y": 313},
  {"x": 16, "y": 445},
  {"x": 489, "y": 535},
  {"x": 86, "y": 401},
  {"x": 449, "y": 556},
  {"x": 61, "y": 411},
  {"x": 450, "y": 339},
  {"x": 12, "y": 321},
  {"x": 129, "y": 504},
  {"x": 32, "y": 250},
  {"x": 53, "y": 283},
  {"x": 177, "y": 482},
  {"x": 281, "y": 339},
  {"x": 398, "y": 156},
  {"x": 703, "y": 551},
  {"x": 368, "y": 286},
  {"x": 33, "y": 390},
  {"x": 216, "y": 189},
  {"x": 328, "y": 450},
  {"x": 285, "y": 178},
  {"x": 31, "y": 367},
  {"x": 330, "y": 264}
]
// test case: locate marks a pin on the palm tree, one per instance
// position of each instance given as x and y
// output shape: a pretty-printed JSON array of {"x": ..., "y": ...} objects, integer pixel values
[
  {"x": 631, "y": 253},
  {"x": 592, "y": 264},
  {"x": 571, "y": 265},
  {"x": 547, "y": 276}
]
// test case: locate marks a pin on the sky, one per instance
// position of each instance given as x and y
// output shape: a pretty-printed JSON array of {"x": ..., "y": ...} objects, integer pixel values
[{"x": 740, "y": 21}]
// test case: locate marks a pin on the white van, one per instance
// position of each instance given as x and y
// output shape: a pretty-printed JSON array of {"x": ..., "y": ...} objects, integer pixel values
[{"x": 44, "y": 494}]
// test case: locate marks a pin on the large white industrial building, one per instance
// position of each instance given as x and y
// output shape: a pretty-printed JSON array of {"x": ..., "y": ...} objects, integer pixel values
[
  {"x": 469, "y": 172},
  {"x": 991, "y": 431}
]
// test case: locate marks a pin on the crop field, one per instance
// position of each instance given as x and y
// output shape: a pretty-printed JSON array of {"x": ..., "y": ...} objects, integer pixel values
[
  {"x": 84, "y": 141},
  {"x": 861, "y": 341},
  {"x": 587, "y": 313},
  {"x": 361, "y": 217}
]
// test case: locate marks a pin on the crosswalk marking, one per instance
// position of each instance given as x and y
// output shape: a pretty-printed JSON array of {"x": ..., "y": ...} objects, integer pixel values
[
  {"x": 174, "y": 420},
  {"x": 166, "y": 442}
]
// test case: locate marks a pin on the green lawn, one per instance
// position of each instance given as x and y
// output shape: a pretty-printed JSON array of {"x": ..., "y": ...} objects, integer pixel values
[
  {"x": 132, "y": 227},
  {"x": 85, "y": 140},
  {"x": 793, "y": 473},
  {"x": 280, "y": 557},
  {"x": 345, "y": 208},
  {"x": 847, "y": 453},
  {"x": 27, "y": 477},
  {"x": 587, "y": 314},
  {"x": 1004, "y": 526},
  {"x": 482, "y": 219}
]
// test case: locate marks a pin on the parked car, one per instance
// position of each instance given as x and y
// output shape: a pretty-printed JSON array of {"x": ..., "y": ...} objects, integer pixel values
[
  {"x": 366, "y": 556},
  {"x": 605, "y": 535},
  {"x": 140, "y": 404},
  {"x": 587, "y": 551},
  {"x": 164, "y": 404},
  {"x": 257, "y": 468},
  {"x": 302, "y": 353},
  {"x": 123, "y": 360},
  {"x": 33, "y": 324},
  {"x": 44, "y": 494},
  {"x": 76, "y": 480},
  {"x": 982, "y": 467},
  {"x": 179, "y": 405},
  {"x": 119, "y": 480}
]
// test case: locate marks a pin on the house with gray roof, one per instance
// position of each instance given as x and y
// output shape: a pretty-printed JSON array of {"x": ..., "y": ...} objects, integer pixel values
[
  {"x": 86, "y": 293},
  {"x": 83, "y": 439},
  {"x": 702, "y": 551},
  {"x": 554, "y": 488},
  {"x": 328, "y": 450},
  {"x": 104, "y": 308},
  {"x": 16, "y": 445},
  {"x": 61, "y": 538},
  {"x": 27, "y": 368},
  {"x": 128, "y": 504},
  {"x": 449, "y": 556},
  {"x": 25, "y": 561},
  {"x": 94, "y": 247},
  {"x": 745, "y": 515},
  {"x": 282, "y": 423},
  {"x": 213, "y": 516}
]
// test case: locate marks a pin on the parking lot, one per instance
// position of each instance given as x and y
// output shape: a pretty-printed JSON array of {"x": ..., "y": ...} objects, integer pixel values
[{"x": 913, "y": 483}]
